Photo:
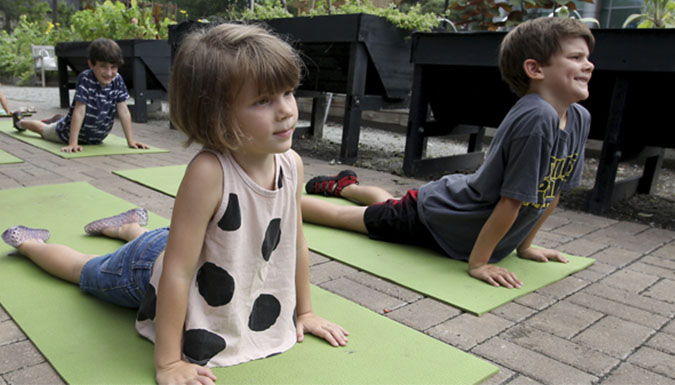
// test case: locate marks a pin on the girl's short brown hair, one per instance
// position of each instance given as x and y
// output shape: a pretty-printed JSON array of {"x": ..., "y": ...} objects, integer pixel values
[
  {"x": 209, "y": 71},
  {"x": 537, "y": 39}
]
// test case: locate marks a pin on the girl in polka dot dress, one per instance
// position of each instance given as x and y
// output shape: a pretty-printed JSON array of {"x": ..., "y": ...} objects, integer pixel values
[{"x": 229, "y": 282}]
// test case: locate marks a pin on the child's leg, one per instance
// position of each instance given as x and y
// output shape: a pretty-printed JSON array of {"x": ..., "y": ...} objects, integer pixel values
[
  {"x": 30, "y": 125},
  {"x": 365, "y": 195},
  {"x": 329, "y": 214},
  {"x": 346, "y": 185},
  {"x": 58, "y": 260},
  {"x": 66, "y": 263}
]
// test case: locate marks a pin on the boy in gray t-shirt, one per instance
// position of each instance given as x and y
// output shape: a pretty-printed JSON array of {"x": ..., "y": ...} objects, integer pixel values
[{"x": 538, "y": 150}]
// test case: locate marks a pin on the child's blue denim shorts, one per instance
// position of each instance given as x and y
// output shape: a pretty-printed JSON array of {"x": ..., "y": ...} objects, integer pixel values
[{"x": 122, "y": 277}]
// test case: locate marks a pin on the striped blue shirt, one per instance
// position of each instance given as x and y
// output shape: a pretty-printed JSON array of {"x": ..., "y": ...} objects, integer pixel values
[{"x": 101, "y": 106}]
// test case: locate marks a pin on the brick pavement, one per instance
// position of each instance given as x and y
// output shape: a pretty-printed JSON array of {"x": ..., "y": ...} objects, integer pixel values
[{"x": 609, "y": 324}]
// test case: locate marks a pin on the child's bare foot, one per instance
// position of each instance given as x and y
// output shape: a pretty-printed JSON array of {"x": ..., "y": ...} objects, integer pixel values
[
  {"x": 17, "y": 235},
  {"x": 114, "y": 226}
]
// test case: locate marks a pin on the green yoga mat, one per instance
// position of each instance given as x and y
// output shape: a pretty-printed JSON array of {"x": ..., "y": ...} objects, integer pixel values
[
  {"x": 164, "y": 179},
  {"x": 7, "y": 158},
  {"x": 112, "y": 145},
  {"x": 89, "y": 341},
  {"x": 416, "y": 268}
]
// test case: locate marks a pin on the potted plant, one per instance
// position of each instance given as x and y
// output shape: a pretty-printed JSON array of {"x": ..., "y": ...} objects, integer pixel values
[{"x": 141, "y": 34}]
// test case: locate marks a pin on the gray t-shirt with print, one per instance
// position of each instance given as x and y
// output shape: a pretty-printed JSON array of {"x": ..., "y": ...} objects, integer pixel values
[{"x": 530, "y": 160}]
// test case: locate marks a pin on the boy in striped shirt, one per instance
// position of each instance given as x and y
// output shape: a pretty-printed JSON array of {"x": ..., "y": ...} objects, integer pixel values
[{"x": 99, "y": 92}]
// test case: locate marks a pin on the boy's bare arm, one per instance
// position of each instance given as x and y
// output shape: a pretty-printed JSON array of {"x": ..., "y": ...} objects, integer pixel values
[
  {"x": 498, "y": 224},
  {"x": 125, "y": 119},
  {"x": 76, "y": 120},
  {"x": 525, "y": 249}
]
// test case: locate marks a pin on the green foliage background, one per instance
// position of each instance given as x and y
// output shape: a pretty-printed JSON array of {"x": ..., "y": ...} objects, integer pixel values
[{"x": 109, "y": 19}]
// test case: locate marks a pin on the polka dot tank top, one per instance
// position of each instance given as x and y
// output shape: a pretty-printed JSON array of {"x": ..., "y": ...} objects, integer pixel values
[{"x": 241, "y": 304}]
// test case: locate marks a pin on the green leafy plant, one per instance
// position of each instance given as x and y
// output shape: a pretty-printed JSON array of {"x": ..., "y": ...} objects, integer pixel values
[
  {"x": 491, "y": 15},
  {"x": 268, "y": 9},
  {"x": 16, "y": 58},
  {"x": 115, "y": 20},
  {"x": 414, "y": 19},
  {"x": 655, "y": 14}
]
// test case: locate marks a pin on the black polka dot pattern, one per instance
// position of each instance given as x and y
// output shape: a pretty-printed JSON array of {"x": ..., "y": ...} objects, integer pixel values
[
  {"x": 215, "y": 284},
  {"x": 146, "y": 311},
  {"x": 280, "y": 181},
  {"x": 231, "y": 220},
  {"x": 266, "y": 310},
  {"x": 295, "y": 317},
  {"x": 200, "y": 345},
  {"x": 272, "y": 238}
]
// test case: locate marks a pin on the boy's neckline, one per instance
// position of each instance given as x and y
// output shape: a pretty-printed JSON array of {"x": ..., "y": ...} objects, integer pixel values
[{"x": 562, "y": 116}]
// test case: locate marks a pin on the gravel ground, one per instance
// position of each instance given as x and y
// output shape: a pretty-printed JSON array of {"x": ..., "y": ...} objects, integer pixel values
[{"x": 383, "y": 150}]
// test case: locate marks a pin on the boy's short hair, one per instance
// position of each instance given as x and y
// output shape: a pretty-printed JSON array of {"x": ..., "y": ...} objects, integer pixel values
[
  {"x": 537, "y": 39},
  {"x": 210, "y": 70},
  {"x": 105, "y": 50}
]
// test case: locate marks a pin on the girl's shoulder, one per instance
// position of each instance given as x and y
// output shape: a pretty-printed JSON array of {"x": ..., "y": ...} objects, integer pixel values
[{"x": 206, "y": 166}]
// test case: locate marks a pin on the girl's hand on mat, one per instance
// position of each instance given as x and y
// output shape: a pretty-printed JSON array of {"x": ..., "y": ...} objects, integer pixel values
[
  {"x": 311, "y": 323},
  {"x": 138, "y": 145},
  {"x": 542, "y": 255},
  {"x": 181, "y": 372},
  {"x": 69, "y": 148},
  {"x": 495, "y": 276}
]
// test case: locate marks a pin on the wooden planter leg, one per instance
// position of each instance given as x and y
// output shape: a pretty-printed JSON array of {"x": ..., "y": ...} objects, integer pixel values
[
  {"x": 320, "y": 107},
  {"x": 140, "y": 114},
  {"x": 358, "y": 67},
  {"x": 415, "y": 142},
  {"x": 600, "y": 197},
  {"x": 651, "y": 170},
  {"x": 64, "y": 96}
]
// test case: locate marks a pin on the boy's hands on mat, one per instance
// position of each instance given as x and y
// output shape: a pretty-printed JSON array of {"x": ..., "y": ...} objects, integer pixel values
[
  {"x": 181, "y": 372},
  {"x": 312, "y": 323},
  {"x": 495, "y": 276},
  {"x": 542, "y": 255},
  {"x": 72, "y": 148},
  {"x": 138, "y": 145}
]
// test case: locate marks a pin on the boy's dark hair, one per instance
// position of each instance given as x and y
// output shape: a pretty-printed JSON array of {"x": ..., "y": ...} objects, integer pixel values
[
  {"x": 537, "y": 39},
  {"x": 105, "y": 50},
  {"x": 209, "y": 71}
]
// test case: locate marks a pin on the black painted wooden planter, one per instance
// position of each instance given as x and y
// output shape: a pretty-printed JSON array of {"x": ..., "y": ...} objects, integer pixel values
[
  {"x": 456, "y": 76},
  {"x": 145, "y": 70},
  {"x": 363, "y": 56}
]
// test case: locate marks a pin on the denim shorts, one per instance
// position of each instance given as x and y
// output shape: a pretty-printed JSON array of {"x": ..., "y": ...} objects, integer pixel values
[{"x": 123, "y": 276}]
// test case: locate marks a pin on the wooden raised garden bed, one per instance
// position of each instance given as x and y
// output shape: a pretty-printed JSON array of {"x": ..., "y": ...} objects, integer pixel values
[{"x": 456, "y": 76}]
